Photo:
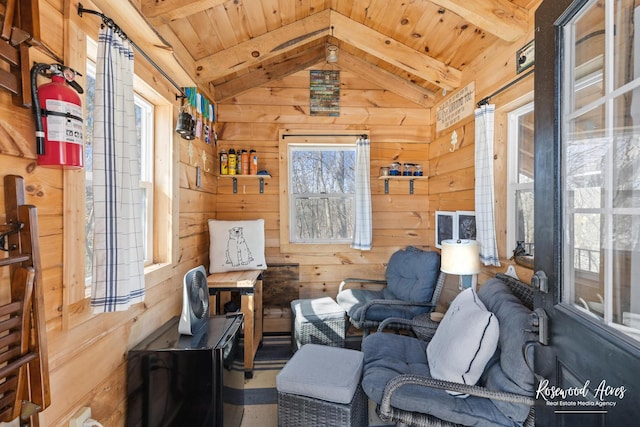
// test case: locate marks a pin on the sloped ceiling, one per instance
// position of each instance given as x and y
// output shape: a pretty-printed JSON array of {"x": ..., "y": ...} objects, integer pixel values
[{"x": 412, "y": 47}]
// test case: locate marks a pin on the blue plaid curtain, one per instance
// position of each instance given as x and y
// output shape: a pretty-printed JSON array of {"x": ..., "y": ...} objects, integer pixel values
[
  {"x": 485, "y": 207},
  {"x": 362, "y": 235},
  {"x": 118, "y": 256}
]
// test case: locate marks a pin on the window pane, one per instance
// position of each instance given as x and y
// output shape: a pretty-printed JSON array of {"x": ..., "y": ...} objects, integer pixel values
[
  {"x": 626, "y": 271},
  {"x": 525, "y": 148},
  {"x": 588, "y": 62},
  {"x": 625, "y": 38},
  {"x": 520, "y": 179},
  {"x": 322, "y": 188},
  {"x": 524, "y": 219},
  {"x": 322, "y": 171},
  {"x": 323, "y": 219},
  {"x": 626, "y": 151},
  {"x": 145, "y": 227}
]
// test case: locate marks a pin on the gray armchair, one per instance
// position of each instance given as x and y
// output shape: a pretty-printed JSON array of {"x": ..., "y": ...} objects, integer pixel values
[
  {"x": 413, "y": 285},
  {"x": 397, "y": 370}
]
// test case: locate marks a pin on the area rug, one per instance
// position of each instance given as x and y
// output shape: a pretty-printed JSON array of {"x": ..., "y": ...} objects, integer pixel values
[{"x": 261, "y": 398}]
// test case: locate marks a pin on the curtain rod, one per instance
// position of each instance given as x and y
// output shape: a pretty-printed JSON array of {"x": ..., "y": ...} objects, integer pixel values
[
  {"x": 485, "y": 100},
  {"x": 363, "y": 135},
  {"x": 111, "y": 24}
]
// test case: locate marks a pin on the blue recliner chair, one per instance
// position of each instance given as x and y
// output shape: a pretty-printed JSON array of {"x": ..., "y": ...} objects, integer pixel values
[{"x": 413, "y": 285}]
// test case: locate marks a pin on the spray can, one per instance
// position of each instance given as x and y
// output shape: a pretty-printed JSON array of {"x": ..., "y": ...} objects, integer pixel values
[
  {"x": 224, "y": 162},
  {"x": 253, "y": 162},
  {"x": 245, "y": 162},
  {"x": 238, "y": 162},
  {"x": 232, "y": 161}
]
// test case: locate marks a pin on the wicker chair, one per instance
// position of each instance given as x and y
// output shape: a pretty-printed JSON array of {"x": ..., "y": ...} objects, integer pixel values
[
  {"x": 412, "y": 286},
  {"x": 486, "y": 399}
]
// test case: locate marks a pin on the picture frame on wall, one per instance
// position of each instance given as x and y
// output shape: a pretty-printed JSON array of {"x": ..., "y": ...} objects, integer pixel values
[
  {"x": 446, "y": 227},
  {"x": 466, "y": 225}
]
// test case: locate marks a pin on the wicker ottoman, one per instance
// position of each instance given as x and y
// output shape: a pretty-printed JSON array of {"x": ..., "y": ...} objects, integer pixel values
[
  {"x": 320, "y": 386},
  {"x": 317, "y": 321}
]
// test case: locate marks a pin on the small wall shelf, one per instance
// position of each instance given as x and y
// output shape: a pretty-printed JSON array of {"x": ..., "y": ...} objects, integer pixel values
[
  {"x": 400, "y": 178},
  {"x": 235, "y": 178}
]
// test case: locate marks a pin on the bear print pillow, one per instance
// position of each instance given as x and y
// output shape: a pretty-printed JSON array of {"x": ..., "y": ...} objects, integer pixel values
[{"x": 236, "y": 245}]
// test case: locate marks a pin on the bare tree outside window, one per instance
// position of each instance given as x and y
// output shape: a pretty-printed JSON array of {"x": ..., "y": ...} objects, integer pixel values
[{"x": 322, "y": 192}]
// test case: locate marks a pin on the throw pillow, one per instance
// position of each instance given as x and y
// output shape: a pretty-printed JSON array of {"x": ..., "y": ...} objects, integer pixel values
[
  {"x": 236, "y": 245},
  {"x": 464, "y": 342}
]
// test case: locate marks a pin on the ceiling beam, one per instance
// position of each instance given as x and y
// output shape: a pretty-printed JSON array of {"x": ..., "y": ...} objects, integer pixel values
[
  {"x": 394, "y": 52},
  {"x": 274, "y": 71},
  {"x": 167, "y": 10},
  {"x": 259, "y": 49},
  {"x": 501, "y": 18},
  {"x": 387, "y": 80}
]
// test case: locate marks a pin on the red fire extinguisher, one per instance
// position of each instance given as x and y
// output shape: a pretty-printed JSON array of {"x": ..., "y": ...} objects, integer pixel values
[{"x": 58, "y": 114}]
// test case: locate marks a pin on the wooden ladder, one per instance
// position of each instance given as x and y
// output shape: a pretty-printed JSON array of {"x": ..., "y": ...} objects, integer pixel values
[{"x": 24, "y": 373}]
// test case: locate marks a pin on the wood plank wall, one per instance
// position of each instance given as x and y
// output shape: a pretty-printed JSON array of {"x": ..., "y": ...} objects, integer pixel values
[
  {"x": 399, "y": 131},
  {"x": 88, "y": 362}
]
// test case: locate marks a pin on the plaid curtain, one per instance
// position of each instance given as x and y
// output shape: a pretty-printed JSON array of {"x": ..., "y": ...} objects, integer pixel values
[
  {"x": 363, "y": 229},
  {"x": 485, "y": 218},
  {"x": 118, "y": 256}
]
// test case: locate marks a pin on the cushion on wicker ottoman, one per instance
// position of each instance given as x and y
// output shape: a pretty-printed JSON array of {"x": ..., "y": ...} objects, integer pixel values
[
  {"x": 317, "y": 321},
  {"x": 320, "y": 385}
]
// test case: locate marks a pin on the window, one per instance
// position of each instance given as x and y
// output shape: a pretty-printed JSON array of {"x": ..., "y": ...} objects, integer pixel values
[
  {"x": 144, "y": 129},
  {"x": 320, "y": 190},
  {"x": 321, "y": 193},
  {"x": 520, "y": 179},
  {"x": 144, "y": 111},
  {"x": 154, "y": 118}
]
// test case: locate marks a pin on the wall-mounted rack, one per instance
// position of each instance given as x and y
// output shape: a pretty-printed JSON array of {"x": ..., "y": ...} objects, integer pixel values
[
  {"x": 400, "y": 178},
  {"x": 235, "y": 178}
]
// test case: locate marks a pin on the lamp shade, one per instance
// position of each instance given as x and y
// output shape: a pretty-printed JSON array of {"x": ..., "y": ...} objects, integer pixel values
[{"x": 460, "y": 257}]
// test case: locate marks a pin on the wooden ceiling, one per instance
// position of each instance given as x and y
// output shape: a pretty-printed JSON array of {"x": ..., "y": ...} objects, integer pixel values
[{"x": 413, "y": 47}]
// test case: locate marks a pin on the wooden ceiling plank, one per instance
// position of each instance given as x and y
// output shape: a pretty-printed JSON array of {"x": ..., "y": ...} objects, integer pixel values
[
  {"x": 395, "y": 53},
  {"x": 168, "y": 10},
  {"x": 221, "y": 28},
  {"x": 259, "y": 49},
  {"x": 498, "y": 17},
  {"x": 255, "y": 20},
  {"x": 387, "y": 80},
  {"x": 275, "y": 71},
  {"x": 272, "y": 15},
  {"x": 288, "y": 12}
]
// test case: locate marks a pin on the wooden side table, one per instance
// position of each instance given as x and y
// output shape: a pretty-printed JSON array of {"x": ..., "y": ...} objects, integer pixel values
[{"x": 249, "y": 284}]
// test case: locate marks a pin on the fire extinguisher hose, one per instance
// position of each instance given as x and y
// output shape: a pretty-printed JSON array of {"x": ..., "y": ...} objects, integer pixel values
[{"x": 35, "y": 101}]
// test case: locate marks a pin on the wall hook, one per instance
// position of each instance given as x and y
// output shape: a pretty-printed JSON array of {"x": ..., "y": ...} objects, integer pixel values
[
  {"x": 454, "y": 141},
  {"x": 204, "y": 162}
]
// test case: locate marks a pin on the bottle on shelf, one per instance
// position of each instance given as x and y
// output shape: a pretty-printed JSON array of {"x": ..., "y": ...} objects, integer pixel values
[
  {"x": 238, "y": 162},
  {"x": 253, "y": 162},
  {"x": 232, "y": 161},
  {"x": 245, "y": 162},
  {"x": 224, "y": 162}
]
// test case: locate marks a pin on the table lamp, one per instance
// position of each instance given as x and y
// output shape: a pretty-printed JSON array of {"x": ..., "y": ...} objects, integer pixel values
[{"x": 461, "y": 257}]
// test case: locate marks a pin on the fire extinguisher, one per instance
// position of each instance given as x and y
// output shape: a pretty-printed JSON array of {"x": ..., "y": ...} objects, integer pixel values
[{"x": 58, "y": 116}]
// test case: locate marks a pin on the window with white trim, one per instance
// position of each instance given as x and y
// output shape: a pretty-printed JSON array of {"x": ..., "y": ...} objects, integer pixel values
[
  {"x": 321, "y": 179},
  {"x": 145, "y": 112},
  {"x": 520, "y": 179}
]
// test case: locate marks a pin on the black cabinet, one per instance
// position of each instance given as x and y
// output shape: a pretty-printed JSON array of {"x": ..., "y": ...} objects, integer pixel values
[{"x": 181, "y": 380}]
